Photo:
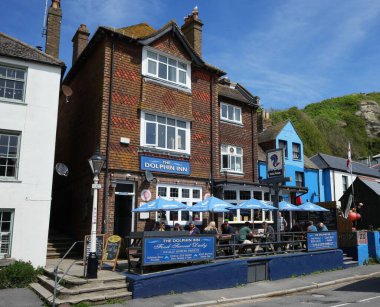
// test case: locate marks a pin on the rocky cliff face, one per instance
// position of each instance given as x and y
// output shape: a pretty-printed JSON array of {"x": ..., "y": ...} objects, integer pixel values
[{"x": 370, "y": 111}]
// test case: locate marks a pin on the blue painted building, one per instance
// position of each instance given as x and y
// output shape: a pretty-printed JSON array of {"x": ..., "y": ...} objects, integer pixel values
[{"x": 306, "y": 178}]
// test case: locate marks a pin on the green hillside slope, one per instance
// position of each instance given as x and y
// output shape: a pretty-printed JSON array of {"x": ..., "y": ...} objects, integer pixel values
[{"x": 329, "y": 125}]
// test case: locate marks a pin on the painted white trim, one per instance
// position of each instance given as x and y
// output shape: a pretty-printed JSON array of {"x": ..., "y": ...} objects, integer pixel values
[
  {"x": 144, "y": 68},
  {"x": 226, "y": 119}
]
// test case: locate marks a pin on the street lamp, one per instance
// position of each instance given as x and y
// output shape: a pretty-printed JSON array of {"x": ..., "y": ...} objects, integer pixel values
[{"x": 96, "y": 163}]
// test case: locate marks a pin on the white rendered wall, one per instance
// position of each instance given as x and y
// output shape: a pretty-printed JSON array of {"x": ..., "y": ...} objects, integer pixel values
[
  {"x": 30, "y": 195},
  {"x": 337, "y": 183}
]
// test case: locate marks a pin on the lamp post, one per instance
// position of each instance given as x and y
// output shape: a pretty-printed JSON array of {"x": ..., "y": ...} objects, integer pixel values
[{"x": 96, "y": 163}]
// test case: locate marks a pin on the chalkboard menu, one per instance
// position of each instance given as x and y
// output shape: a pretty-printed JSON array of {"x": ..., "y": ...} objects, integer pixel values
[
  {"x": 111, "y": 251},
  {"x": 99, "y": 246}
]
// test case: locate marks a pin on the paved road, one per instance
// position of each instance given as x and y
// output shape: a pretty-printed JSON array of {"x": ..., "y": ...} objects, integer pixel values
[
  {"x": 349, "y": 295},
  {"x": 19, "y": 298}
]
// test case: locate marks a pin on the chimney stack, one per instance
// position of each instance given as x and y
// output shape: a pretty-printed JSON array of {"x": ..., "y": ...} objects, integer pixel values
[
  {"x": 53, "y": 28},
  {"x": 80, "y": 41},
  {"x": 192, "y": 29}
]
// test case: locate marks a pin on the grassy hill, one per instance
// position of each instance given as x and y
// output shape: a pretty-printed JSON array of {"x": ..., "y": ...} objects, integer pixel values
[{"x": 329, "y": 125}]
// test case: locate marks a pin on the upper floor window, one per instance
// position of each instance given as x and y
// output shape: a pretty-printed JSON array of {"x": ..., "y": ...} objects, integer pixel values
[
  {"x": 232, "y": 158},
  {"x": 296, "y": 151},
  {"x": 283, "y": 144},
  {"x": 9, "y": 154},
  {"x": 12, "y": 83},
  {"x": 345, "y": 183},
  {"x": 166, "y": 68},
  {"x": 165, "y": 133},
  {"x": 300, "y": 182},
  {"x": 230, "y": 113}
]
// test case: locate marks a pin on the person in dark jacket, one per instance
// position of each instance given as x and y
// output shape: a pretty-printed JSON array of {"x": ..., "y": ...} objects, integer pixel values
[{"x": 193, "y": 230}]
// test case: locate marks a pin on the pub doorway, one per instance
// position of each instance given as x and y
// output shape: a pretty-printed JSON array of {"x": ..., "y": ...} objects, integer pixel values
[{"x": 124, "y": 200}]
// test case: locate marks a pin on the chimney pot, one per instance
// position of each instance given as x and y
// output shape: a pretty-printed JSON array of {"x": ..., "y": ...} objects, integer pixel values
[
  {"x": 53, "y": 28},
  {"x": 192, "y": 30},
  {"x": 80, "y": 41}
]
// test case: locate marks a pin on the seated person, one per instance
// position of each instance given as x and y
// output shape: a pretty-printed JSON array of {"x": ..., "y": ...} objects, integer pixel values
[
  {"x": 162, "y": 227},
  {"x": 321, "y": 227},
  {"x": 243, "y": 232},
  {"x": 193, "y": 230},
  {"x": 177, "y": 227},
  {"x": 310, "y": 227},
  {"x": 211, "y": 229},
  {"x": 156, "y": 226},
  {"x": 226, "y": 228}
]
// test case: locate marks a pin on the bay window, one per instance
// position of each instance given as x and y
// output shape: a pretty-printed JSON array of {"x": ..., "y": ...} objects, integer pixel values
[{"x": 165, "y": 133}]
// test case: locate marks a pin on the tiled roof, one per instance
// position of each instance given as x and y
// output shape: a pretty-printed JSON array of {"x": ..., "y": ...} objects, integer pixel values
[
  {"x": 137, "y": 31},
  {"x": 373, "y": 185},
  {"x": 236, "y": 92},
  {"x": 12, "y": 47},
  {"x": 324, "y": 161},
  {"x": 261, "y": 154},
  {"x": 271, "y": 133},
  {"x": 145, "y": 34},
  {"x": 309, "y": 164}
]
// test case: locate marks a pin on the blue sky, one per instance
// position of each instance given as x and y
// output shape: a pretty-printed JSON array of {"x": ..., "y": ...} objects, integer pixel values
[{"x": 290, "y": 53}]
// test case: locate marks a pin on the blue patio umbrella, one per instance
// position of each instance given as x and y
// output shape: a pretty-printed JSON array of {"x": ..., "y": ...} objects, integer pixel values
[
  {"x": 161, "y": 204},
  {"x": 212, "y": 204},
  {"x": 308, "y": 206},
  {"x": 285, "y": 206},
  {"x": 254, "y": 204}
]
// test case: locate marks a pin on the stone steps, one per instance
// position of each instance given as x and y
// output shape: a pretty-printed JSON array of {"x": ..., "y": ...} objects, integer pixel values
[
  {"x": 74, "y": 290},
  {"x": 94, "y": 297},
  {"x": 348, "y": 262}
]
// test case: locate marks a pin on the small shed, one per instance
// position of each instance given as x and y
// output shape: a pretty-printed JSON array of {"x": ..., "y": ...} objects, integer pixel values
[{"x": 366, "y": 191}]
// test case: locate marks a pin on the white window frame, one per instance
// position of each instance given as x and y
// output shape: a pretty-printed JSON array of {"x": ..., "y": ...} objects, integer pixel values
[
  {"x": 231, "y": 151},
  {"x": 284, "y": 145},
  {"x": 188, "y": 200},
  {"x": 143, "y": 140},
  {"x": 8, "y": 233},
  {"x": 6, "y": 157},
  {"x": 266, "y": 215},
  {"x": 233, "y": 108},
  {"x": 299, "y": 175},
  {"x": 296, "y": 145},
  {"x": 345, "y": 183},
  {"x": 145, "y": 72},
  {"x": 14, "y": 79}
]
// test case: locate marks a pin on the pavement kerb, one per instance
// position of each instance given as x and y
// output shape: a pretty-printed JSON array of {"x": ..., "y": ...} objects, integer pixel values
[{"x": 281, "y": 292}]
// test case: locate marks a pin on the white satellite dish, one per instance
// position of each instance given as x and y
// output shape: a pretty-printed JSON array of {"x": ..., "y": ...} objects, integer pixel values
[
  {"x": 62, "y": 169},
  {"x": 149, "y": 176}
]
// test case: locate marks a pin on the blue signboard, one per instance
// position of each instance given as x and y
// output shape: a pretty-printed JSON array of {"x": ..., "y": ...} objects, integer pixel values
[
  {"x": 165, "y": 250},
  {"x": 165, "y": 165},
  {"x": 322, "y": 240}
]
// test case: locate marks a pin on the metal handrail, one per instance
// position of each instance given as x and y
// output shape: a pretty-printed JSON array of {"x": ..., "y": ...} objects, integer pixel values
[{"x": 56, "y": 281}]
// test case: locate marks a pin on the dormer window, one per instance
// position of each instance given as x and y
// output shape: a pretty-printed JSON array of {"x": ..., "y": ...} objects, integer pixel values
[
  {"x": 166, "y": 68},
  {"x": 230, "y": 113}
]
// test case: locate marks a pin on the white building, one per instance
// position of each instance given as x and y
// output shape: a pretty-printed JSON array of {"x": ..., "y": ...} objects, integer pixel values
[
  {"x": 336, "y": 178},
  {"x": 29, "y": 90}
]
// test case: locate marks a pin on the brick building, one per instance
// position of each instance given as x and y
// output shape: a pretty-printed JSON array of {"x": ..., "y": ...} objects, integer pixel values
[{"x": 163, "y": 118}]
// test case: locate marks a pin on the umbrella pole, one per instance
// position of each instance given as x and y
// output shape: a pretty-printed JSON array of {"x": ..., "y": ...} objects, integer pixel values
[{"x": 291, "y": 219}]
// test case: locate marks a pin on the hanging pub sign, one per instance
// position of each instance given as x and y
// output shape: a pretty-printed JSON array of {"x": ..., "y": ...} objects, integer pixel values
[
  {"x": 275, "y": 163},
  {"x": 154, "y": 164}
]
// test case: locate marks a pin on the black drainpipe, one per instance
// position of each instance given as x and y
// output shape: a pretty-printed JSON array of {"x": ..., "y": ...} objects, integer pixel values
[
  {"x": 211, "y": 137},
  {"x": 253, "y": 145},
  {"x": 108, "y": 141}
]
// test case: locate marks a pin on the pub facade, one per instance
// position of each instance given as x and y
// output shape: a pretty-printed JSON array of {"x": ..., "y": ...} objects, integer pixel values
[{"x": 166, "y": 122}]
